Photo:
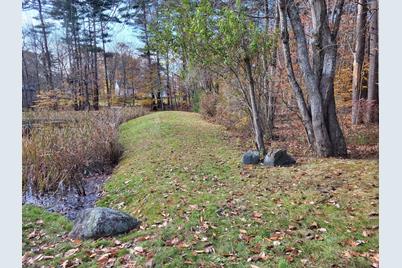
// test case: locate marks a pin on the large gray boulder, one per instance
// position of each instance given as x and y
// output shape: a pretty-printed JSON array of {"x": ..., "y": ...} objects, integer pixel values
[
  {"x": 278, "y": 157},
  {"x": 100, "y": 222},
  {"x": 251, "y": 157}
]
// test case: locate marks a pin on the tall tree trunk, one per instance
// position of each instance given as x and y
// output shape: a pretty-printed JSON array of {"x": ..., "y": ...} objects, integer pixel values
[
  {"x": 266, "y": 102},
  {"x": 105, "y": 67},
  {"x": 60, "y": 63},
  {"x": 87, "y": 104},
  {"x": 185, "y": 84},
  {"x": 358, "y": 58},
  {"x": 158, "y": 70},
  {"x": 132, "y": 87},
  {"x": 147, "y": 50},
  {"x": 168, "y": 81},
  {"x": 46, "y": 47},
  {"x": 255, "y": 113},
  {"x": 328, "y": 69},
  {"x": 86, "y": 83},
  {"x": 71, "y": 77},
  {"x": 112, "y": 81},
  {"x": 372, "y": 94},
  {"x": 298, "y": 93},
  {"x": 272, "y": 75},
  {"x": 174, "y": 92},
  {"x": 124, "y": 63},
  {"x": 25, "y": 82},
  {"x": 80, "y": 70},
  {"x": 320, "y": 121},
  {"x": 322, "y": 142},
  {"x": 35, "y": 50},
  {"x": 95, "y": 70}
]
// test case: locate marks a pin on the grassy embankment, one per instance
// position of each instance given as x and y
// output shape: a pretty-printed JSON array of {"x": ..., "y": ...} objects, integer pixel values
[{"x": 182, "y": 178}]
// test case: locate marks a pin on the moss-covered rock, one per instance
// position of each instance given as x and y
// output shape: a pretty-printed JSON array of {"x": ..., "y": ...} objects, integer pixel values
[{"x": 100, "y": 222}]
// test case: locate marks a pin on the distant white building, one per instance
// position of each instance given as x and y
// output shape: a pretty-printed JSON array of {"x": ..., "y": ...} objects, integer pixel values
[
  {"x": 117, "y": 89},
  {"x": 164, "y": 94},
  {"x": 121, "y": 92}
]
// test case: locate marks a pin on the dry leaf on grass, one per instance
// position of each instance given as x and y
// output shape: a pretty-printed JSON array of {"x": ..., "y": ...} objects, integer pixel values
[{"x": 71, "y": 252}]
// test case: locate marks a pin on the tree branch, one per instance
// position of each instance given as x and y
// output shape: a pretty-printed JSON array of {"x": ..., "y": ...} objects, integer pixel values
[{"x": 302, "y": 49}]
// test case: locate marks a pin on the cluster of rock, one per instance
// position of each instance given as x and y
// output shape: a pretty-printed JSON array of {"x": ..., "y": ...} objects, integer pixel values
[{"x": 274, "y": 158}]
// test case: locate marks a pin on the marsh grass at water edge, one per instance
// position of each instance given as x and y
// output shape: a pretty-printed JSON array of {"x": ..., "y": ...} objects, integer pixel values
[{"x": 61, "y": 148}]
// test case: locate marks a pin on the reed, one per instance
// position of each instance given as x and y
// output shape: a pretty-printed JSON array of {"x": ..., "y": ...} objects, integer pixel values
[{"x": 61, "y": 148}]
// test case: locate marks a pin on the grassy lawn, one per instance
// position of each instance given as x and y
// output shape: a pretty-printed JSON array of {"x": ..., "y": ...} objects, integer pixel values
[{"x": 200, "y": 207}]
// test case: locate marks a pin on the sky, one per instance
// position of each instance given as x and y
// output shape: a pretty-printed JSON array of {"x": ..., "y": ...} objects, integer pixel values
[{"x": 119, "y": 32}]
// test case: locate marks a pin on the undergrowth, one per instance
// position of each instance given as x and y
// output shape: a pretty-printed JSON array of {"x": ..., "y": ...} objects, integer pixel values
[{"x": 62, "y": 147}]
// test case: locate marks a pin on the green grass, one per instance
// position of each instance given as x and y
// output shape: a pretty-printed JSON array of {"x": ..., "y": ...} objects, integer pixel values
[{"x": 200, "y": 207}]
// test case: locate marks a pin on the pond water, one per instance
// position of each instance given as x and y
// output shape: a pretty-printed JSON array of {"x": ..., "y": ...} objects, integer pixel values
[{"x": 67, "y": 201}]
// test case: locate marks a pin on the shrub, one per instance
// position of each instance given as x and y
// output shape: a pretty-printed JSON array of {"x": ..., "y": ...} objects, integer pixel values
[
  {"x": 231, "y": 112},
  {"x": 196, "y": 101},
  {"x": 208, "y": 104},
  {"x": 54, "y": 100},
  {"x": 60, "y": 147}
]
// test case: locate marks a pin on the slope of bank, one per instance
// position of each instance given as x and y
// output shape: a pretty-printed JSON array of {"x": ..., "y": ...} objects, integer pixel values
[{"x": 199, "y": 206}]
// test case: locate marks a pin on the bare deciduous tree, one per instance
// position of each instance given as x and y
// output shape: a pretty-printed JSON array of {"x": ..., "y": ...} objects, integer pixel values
[
  {"x": 372, "y": 93},
  {"x": 358, "y": 58},
  {"x": 319, "y": 112}
]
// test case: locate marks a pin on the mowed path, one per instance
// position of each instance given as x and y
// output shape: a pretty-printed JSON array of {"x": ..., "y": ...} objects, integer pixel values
[{"x": 199, "y": 206}]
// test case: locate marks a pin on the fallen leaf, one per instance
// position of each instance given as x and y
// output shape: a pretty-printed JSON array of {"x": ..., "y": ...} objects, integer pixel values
[
  {"x": 71, "y": 252},
  {"x": 257, "y": 215},
  {"x": 373, "y": 214},
  {"x": 142, "y": 238},
  {"x": 138, "y": 249},
  {"x": 66, "y": 263},
  {"x": 173, "y": 241},
  {"x": 32, "y": 234},
  {"x": 276, "y": 243},
  {"x": 103, "y": 259},
  {"x": 290, "y": 258},
  {"x": 259, "y": 257},
  {"x": 314, "y": 225},
  {"x": 150, "y": 263},
  {"x": 209, "y": 249},
  {"x": 304, "y": 261},
  {"x": 356, "y": 243},
  {"x": 48, "y": 257},
  {"x": 193, "y": 207},
  {"x": 244, "y": 237},
  {"x": 182, "y": 245}
]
